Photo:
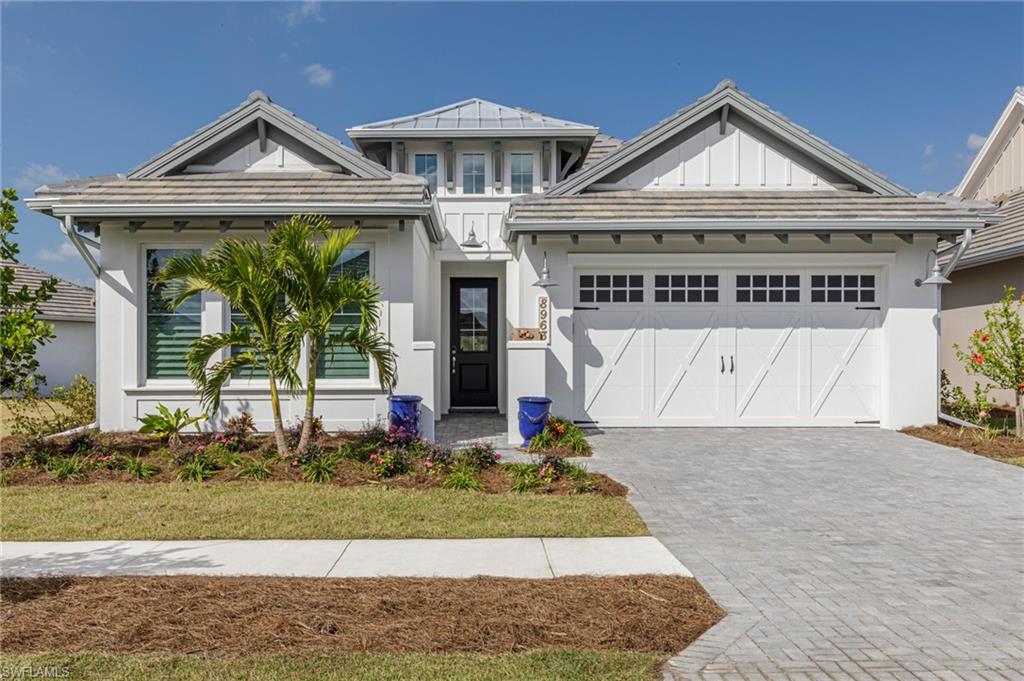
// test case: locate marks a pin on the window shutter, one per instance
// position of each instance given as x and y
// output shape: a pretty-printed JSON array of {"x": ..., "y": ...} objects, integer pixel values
[
  {"x": 498, "y": 174},
  {"x": 168, "y": 332}
]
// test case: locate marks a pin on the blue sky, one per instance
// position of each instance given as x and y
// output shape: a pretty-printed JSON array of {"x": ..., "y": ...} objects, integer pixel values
[{"x": 92, "y": 88}]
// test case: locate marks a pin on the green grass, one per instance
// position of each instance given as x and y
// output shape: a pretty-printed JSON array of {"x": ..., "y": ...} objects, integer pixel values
[
  {"x": 563, "y": 665},
  {"x": 294, "y": 510}
]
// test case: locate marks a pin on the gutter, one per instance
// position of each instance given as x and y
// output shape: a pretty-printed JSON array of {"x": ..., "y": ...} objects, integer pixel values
[
  {"x": 67, "y": 225},
  {"x": 958, "y": 422},
  {"x": 961, "y": 247}
]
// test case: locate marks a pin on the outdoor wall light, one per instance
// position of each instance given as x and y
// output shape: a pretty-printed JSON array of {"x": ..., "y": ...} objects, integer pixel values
[
  {"x": 935, "y": 278},
  {"x": 545, "y": 280},
  {"x": 471, "y": 240}
]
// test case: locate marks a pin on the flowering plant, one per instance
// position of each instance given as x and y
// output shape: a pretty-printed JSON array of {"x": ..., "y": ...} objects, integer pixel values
[{"x": 386, "y": 463}]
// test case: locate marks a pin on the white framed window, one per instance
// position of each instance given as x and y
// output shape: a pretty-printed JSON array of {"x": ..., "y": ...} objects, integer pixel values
[
  {"x": 426, "y": 167},
  {"x": 842, "y": 288},
  {"x": 474, "y": 179},
  {"x": 521, "y": 167},
  {"x": 767, "y": 288},
  {"x": 168, "y": 332},
  {"x": 611, "y": 288},
  {"x": 686, "y": 288}
]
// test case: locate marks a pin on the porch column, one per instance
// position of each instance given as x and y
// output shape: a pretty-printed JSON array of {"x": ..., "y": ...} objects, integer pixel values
[{"x": 527, "y": 362}]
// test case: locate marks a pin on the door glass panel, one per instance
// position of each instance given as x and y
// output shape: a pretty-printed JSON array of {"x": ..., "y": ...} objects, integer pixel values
[{"x": 473, "y": 320}]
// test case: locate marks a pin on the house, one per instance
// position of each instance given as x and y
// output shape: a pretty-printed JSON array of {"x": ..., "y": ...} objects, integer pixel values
[
  {"x": 724, "y": 267},
  {"x": 995, "y": 257},
  {"x": 72, "y": 312}
]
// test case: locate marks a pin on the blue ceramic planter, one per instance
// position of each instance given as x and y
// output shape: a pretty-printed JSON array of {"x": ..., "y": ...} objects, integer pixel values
[
  {"x": 533, "y": 415},
  {"x": 404, "y": 412}
]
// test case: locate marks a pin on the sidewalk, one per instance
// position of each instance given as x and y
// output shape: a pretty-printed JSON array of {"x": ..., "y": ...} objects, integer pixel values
[{"x": 528, "y": 558}]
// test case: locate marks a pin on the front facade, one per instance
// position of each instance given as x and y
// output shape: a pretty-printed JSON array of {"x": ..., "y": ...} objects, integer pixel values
[
  {"x": 995, "y": 258},
  {"x": 723, "y": 268}
]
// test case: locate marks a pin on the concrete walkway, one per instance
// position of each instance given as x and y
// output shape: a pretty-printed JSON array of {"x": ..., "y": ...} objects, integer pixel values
[{"x": 528, "y": 558}]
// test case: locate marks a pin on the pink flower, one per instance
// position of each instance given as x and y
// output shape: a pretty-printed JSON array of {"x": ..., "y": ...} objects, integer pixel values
[
  {"x": 201, "y": 448},
  {"x": 982, "y": 414},
  {"x": 977, "y": 359},
  {"x": 497, "y": 457}
]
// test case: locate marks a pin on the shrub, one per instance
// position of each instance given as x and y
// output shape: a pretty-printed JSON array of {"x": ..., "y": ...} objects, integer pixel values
[
  {"x": 387, "y": 463},
  {"x": 239, "y": 426},
  {"x": 221, "y": 454},
  {"x": 254, "y": 469},
  {"x": 319, "y": 469},
  {"x": 398, "y": 436},
  {"x": 560, "y": 434},
  {"x": 111, "y": 462},
  {"x": 66, "y": 468},
  {"x": 294, "y": 432},
  {"x": 574, "y": 472},
  {"x": 462, "y": 478},
  {"x": 552, "y": 467},
  {"x": 168, "y": 425},
  {"x": 139, "y": 468},
  {"x": 526, "y": 483},
  {"x": 66, "y": 407},
  {"x": 586, "y": 486},
  {"x": 478, "y": 456},
  {"x": 437, "y": 457},
  {"x": 5, "y": 480},
  {"x": 198, "y": 469},
  {"x": 79, "y": 443}
]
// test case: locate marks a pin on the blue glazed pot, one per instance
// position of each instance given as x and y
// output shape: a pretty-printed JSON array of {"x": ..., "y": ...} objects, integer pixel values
[
  {"x": 533, "y": 415},
  {"x": 404, "y": 412}
]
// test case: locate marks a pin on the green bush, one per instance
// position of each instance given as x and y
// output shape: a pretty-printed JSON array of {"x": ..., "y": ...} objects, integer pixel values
[
  {"x": 67, "y": 468},
  {"x": 198, "y": 469},
  {"x": 168, "y": 425},
  {"x": 526, "y": 483},
  {"x": 478, "y": 456},
  {"x": 254, "y": 469},
  {"x": 320, "y": 468},
  {"x": 462, "y": 478},
  {"x": 560, "y": 434},
  {"x": 139, "y": 468},
  {"x": 65, "y": 408}
]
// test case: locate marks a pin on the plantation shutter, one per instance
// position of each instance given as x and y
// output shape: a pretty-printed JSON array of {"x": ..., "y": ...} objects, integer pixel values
[
  {"x": 344, "y": 362},
  {"x": 168, "y": 332}
]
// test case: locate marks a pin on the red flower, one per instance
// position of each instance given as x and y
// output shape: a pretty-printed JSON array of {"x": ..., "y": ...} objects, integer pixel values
[
  {"x": 984, "y": 338},
  {"x": 977, "y": 359}
]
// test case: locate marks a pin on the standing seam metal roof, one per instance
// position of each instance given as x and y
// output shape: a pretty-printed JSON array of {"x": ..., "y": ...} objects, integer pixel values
[{"x": 472, "y": 114}]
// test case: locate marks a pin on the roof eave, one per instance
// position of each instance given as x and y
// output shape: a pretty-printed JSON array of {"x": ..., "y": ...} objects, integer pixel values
[
  {"x": 971, "y": 180},
  {"x": 464, "y": 133},
  {"x": 1008, "y": 253}
]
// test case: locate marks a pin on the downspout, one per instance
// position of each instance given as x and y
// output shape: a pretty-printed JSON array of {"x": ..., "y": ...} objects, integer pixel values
[
  {"x": 67, "y": 226},
  {"x": 950, "y": 266}
]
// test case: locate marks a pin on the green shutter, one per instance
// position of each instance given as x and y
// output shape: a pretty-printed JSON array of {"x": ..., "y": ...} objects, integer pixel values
[
  {"x": 168, "y": 332},
  {"x": 344, "y": 362}
]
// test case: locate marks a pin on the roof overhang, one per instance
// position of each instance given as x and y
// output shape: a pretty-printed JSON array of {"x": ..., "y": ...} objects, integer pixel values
[
  {"x": 512, "y": 230},
  {"x": 429, "y": 212},
  {"x": 1008, "y": 253},
  {"x": 463, "y": 133}
]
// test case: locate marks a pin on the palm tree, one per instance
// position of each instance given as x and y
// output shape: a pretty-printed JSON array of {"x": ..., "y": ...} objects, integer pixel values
[
  {"x": 244, "y": 274},
  {"x": 308, "y": 253}
]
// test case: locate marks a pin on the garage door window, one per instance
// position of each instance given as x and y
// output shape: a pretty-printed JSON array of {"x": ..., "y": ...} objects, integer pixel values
[
  {"x": 686, "y": 288},
  {"x": 842, "y": 288},
  {"x": 767, "y": 288},
  {"x": 611, "y": 288}
]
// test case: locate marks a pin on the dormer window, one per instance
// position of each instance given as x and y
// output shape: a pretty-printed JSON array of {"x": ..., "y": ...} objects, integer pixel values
[
  {"x": 426, "y": 167},
  {"x": 522, "y": 173},
  {"x": 473, "y": 180}
]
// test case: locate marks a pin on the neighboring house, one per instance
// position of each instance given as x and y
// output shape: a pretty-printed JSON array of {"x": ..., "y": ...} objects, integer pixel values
[
  {"x": 725, "y": 267},
  {"x": 995, "y": 257},
  {"x": 72, "y": 312}
]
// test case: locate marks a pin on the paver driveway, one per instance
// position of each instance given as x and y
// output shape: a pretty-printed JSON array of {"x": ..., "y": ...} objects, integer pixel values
[{"x": 838, "y": 553}]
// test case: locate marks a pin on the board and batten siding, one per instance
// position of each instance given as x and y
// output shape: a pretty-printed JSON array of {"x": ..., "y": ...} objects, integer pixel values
[
  {"x": 1007, "y": 172},
  {"x": 708, "y": 159}
]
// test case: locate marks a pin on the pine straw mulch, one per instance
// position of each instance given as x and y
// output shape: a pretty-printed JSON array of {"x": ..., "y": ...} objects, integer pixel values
[
  {"x": 1001, "y": 447},
  {"x": 237, "y": 616}
]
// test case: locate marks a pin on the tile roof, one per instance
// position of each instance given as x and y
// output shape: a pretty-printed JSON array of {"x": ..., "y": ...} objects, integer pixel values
[
  {"x": 1000, "y": 241},
  {"x": 242, "y": 187},
  {"x": 471, "y": 114},
  {"x": 738, "y": 204},
  {"x": 602, "y": 146},
  {"x": 68, "y": 301}
]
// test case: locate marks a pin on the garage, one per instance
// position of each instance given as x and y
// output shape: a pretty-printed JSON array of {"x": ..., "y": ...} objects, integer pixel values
[{"x": 727, "y": 347}]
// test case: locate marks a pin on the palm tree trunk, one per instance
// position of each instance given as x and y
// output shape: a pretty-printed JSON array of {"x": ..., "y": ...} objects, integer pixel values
[
  {"x": 1018, "y": 413},
  {"x": 275, "y": 406},
  {"x": 307, "y": 420}
]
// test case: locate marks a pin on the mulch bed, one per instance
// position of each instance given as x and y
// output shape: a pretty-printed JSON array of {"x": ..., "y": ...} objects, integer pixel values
[
  {"x": 238, "y": 616},
  {"x": 999, "y": 447}
]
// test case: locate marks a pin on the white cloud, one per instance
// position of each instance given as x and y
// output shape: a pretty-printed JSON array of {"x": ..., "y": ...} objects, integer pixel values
[
  {"x": 60, "y": 254},
  {"x": 975, "y": 141},
  {"x": 319, "y": 75},
  {"x": 301, "y": 11},
  {"x": 929, "y": 149},
  {"x": 35, "y": 175}
]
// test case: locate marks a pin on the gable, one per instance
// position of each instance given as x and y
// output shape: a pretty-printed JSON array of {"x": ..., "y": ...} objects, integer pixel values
[
  {"x": 725, "y": 106},
  {"x": 733, "y": 156},
  {"x": 277, "y": 153},
  {"x": 998, "y": 169}
]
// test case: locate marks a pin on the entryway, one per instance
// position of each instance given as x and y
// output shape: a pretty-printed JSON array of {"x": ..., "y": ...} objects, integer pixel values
[
  {"x": 717, "y": 347},
  {"x": 473, "y": 343}
]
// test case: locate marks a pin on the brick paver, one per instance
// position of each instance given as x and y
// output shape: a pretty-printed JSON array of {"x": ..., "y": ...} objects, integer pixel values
[{"x": 838, "y": 553}]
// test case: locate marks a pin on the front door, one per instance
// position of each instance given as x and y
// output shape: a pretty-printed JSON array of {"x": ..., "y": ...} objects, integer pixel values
[{"x": 474, "y": 352}]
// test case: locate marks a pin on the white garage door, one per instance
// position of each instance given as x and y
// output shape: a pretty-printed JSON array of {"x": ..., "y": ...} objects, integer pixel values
[{"x": 726, "y": 347}]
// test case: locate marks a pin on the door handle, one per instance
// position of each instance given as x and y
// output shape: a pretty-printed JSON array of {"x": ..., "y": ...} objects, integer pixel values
[
  {"x": 722, "y": 358},
  {"x": 732, "y": 364}
]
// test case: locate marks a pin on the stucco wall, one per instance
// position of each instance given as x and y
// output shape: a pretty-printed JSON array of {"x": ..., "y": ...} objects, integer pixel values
[
  {"x": 72, "y": 352},
  {"x": 963, "y": 306}
]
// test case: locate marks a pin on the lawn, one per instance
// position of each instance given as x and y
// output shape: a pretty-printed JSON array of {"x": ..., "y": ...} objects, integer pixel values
[
  {"x": 565, "y": 665},
  {"x": 298, "y": 510}
]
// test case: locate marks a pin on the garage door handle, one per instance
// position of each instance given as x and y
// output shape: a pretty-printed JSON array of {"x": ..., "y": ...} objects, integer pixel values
[
  {"x": 732, "y": 364},
  {"x": 722, "y": 357},
  {"x": 584, "y": 307}
]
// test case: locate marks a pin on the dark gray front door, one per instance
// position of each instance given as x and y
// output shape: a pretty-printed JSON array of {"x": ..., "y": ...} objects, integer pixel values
[{"x": 474, "y": 351}]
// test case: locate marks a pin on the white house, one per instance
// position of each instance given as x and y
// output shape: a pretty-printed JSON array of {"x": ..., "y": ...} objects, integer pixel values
[
  {"x": 72, "y": 313},
  {"x": 724, "y": 267}
]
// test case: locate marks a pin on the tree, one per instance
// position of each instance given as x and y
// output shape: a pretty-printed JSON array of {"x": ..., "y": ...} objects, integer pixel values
[
  {"x": 308, "y": 253},
  {"x": 996, "y": 351},
  {"x": 21, "y": 334},
  {"x": 244, "y": 273}
]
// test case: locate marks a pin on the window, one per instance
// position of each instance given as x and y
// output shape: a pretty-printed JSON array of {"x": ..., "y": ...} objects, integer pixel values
[
  {"x": 473, "y": 174},
  {"x": 473, "y": 318},
  {"x": 767, "y": 288},
  {"x": 168, "y": 332},
  {"x": 686, "y": 288},
  {"x": 842, "y": 288},
  {"x": 522, "y": 173},
  {"x": 344, "y": 362},
  {"x": 426, "y": 167},
  {"x": 611, "y": 288},
  {"x": 252, "y": 370}
]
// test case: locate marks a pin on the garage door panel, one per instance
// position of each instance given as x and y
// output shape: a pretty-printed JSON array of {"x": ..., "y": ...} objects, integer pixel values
[
  {"x": 769, "y": 373},
  {"x": 687, "y": 348},
  {"x": 845, "y": 357},
  {"x": 610, "y": 360}
]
